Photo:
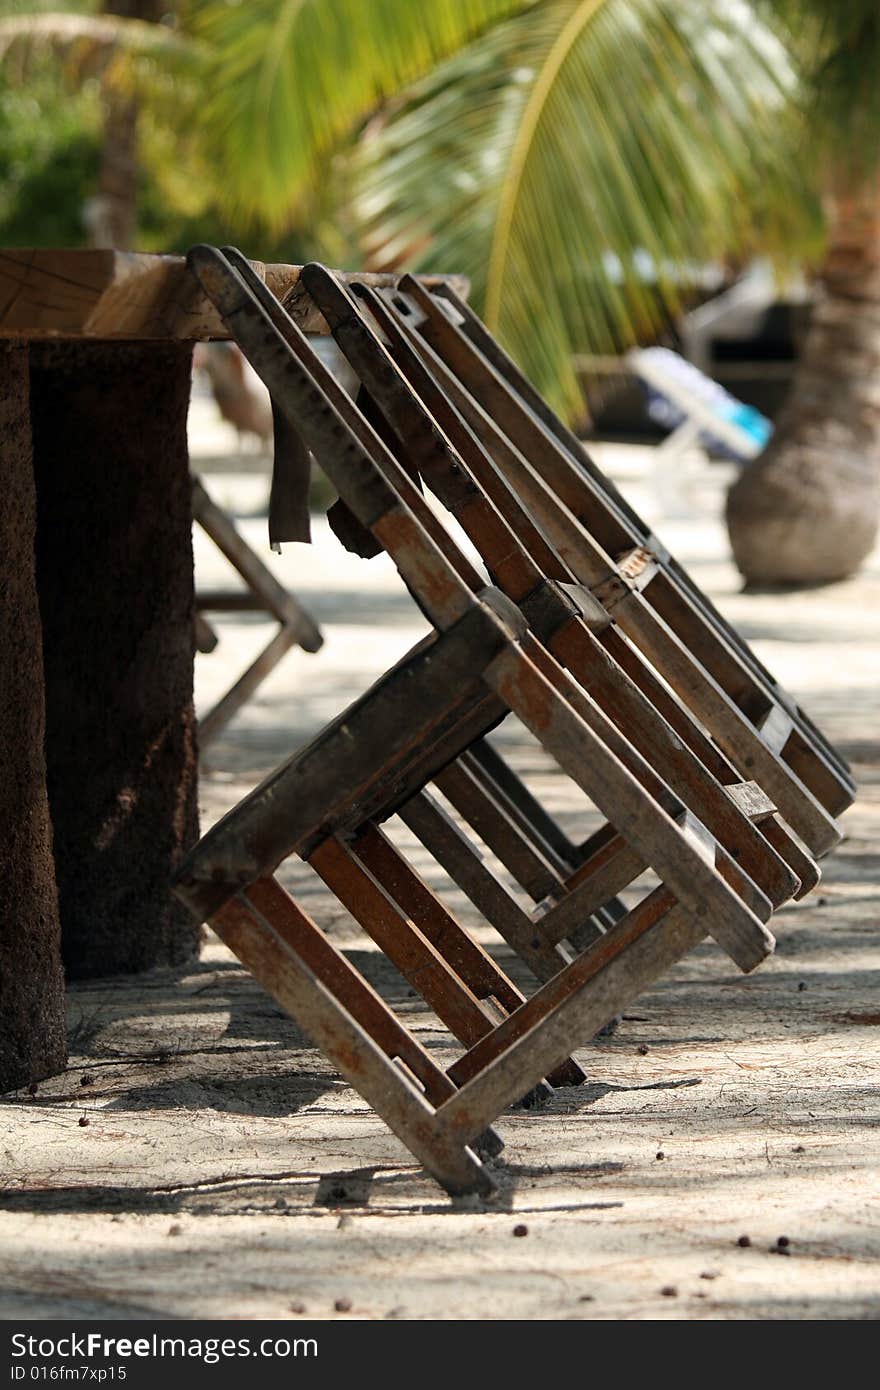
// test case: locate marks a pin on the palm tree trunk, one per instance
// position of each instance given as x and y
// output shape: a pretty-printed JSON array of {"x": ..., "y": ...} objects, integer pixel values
[
  {"x": 112, "y": 213},
  {"x": 806, "y": 512}
]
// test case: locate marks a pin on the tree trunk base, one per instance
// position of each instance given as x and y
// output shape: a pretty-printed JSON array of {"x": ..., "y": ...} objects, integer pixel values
[
  {"x": 32, "y": 1034},
  {"x": 114, "y": 570},
  {"x": 800, "y": 517}
]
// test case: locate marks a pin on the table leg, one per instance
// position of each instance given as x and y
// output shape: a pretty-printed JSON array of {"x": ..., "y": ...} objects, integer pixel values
[
  {"x": 32, "y": 1041},
  {"x": 114, "y": 572}
]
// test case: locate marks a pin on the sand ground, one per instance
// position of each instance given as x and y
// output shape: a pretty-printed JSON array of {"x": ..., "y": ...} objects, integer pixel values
[{"x": 226, "y": 1172}]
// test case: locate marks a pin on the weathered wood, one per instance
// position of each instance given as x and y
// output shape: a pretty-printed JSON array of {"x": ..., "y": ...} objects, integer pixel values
[
  {"x": 385, "y": 1086},
  {"x": 329, "y": 424},
  {"x": 518, "y": 795},
  {"x": 499, "y": 831},
  {"x": 495, "y": 777},
  {"x": 417, "y": 958},
  {"x": 426, "y": 422},
  {"x": 443, "y": 839},
  {"x": 32, "y": 1033},
  {"x": 596, "y": 769},
  {"x": 268, "y": 596},
  {"x": 694, "y": 686},
  {"x": 724, "y": 650},
  {"x": 117, "y": 295},
  {"x": 212, "y": 724},
  {"x": 616, "y": 529},
  {"x": 353, "y": 768},
  {"x": 665, "y": 807},
  {"x": 413, "y": 896},
  {"x": 776, "y": 728},
  {"x": 570, "y": 980},
  {"x": 114, "y": 558},
  {"x": 473, "y": 965},
  {"x": 648, "y": 948},
  {"x": 352, "y": 991},
  {"x": 638, "y": 723},
  {"x": 397, "y": 541},
  {"x": 737, "y": 737},
  {"x": 273, "y": 596},
  {"x": 502, "y": 552},
  {"x": 593, "y": 885},
  {"x": 312, "y": 946},
  {"x": 447, "y": 474},
  {"x": 752, "y": 801}
]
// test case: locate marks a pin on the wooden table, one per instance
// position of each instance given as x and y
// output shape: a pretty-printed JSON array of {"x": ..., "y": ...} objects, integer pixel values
[{"x": 99, "y": 796}]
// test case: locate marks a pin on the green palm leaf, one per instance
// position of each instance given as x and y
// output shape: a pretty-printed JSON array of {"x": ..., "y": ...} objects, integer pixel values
[
  {"x": 89, "y": 44},
  {"x": 291, "y": 78},
  {"x": 581, "y": 160}
]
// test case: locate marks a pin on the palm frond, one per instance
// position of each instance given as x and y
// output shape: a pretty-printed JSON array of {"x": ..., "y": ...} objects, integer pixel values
[
  {"x": 838, "y": 46},
  {"x": 291, "y": 78},
  {"x": 580, "y": 162},
  {"x": 91, "y": 40}
]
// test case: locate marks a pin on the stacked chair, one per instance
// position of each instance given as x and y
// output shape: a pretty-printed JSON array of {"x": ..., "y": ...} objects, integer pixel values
[
  {"x": 563, "y": 611},
  {"x": 261, "y": 593}
]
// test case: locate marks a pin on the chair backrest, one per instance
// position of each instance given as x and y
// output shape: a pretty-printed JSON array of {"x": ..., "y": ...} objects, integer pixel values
[
  {"x": 509, "y": 508},
  {"x": 495, "y": 379},
  {"x": 415, "y": 743},
  {"x": 383, "y": 498}
]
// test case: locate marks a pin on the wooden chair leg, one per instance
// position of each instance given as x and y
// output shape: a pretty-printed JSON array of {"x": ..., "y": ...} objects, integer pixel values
[
  {"x": 449, "y": 993},
  {"x": 443, "y": 839},
  {"x": 387, "y": 1087},
  {"x": 517, "y": 795},
  {"x": 296, "y": 626},
  {"x": 533, "y": 427},
  {"x": 487, "y": 816},
  {"x": 591, "y": 991},
  {"x": 474, "y": 965}
]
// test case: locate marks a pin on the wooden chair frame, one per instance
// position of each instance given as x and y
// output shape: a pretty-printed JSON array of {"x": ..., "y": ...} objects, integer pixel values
[
  {"x": 566, "y": 513},
  {"x": 769, "y": 745},
  {"x": 326, "y": 804},
  {"x": 568, "y": 467},
  {"x": 262, "y": 594},
  {"x": 567, "y": 618}
]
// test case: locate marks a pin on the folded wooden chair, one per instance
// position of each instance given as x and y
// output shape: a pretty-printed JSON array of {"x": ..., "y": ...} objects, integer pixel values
[
  {"x": 262, "y": 594},
  {"x": 705, "y": 784},
  {"x": 565, "y": 616},
  {"x": 426, "y": 716},
  {"x": 749, "y": 691},
  {"x": 651, "y": 599}
]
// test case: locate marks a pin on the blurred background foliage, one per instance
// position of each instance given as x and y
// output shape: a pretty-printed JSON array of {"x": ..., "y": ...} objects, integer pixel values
[{"x": 583, "y": 161}]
